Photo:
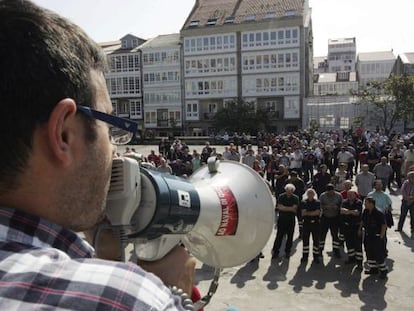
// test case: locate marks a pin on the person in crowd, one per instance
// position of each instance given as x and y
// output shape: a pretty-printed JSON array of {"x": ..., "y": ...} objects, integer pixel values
[
  {"x": 348, "y": 186},
  {"x": 311, "y": 209},
  {"x": 287, "y": 205},
  {"x": 196, "y": 161},
  {"x": 341, "y": 175},
  {"x": 309, "y": 160},
  {"x": 321, "y": 179},
  {"x": 351, "y": 211},
  {"x": 205, "y": 152},
  {"x": 271, "y": 169},
  {"x": 257, "y": 167},
  {"x": 296, "y": 159},
  {"x": 234, "y": 154},
  {"x": 248, "y": 158},
  {"x": 382, "y": 200},
  {"x": 328, "y": 159},
  {"x": 396, "y": 158},
  {"x": 345, "y": 156},
  {"x": 374, "y": 228},
  {"x": 164, "y": 167},
  {"x": 408, "y": 159},
  {"x": 56, "y": 162},
  {"x": 299, "y": 191},
  {"x": 372, "y": 157},
  {"x": 226, "y": 153},
  {"x": 384, "y": 172},
  {"x": 281, "y": 177},
  {"x": 153, "y": 158},
  {"x": 164, "y": 146},
  {"x": 364, "y": 181},
  {"x": 284, "y": 158},
  {"x": 331, "y": 202},
  {"x": 383, "y": 203},
  {"x": 407, "y": 203}
]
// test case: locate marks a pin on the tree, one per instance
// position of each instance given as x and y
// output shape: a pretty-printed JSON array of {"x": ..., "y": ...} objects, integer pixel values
[
  {"x": 241, "y": 117},
  {"x": 392, "y": 100}
]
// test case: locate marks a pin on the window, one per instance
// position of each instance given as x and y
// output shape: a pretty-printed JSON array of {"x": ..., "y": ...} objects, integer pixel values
[
  {"x": 344, "y": 122},
  {"x": 211, "y": 21},
  {"x": 229, "y": 20},
  {"x": 192, "y": 110},
  {"x": 212, "y": 107},
  {"x": 135, "y": 108},
  {"x": 194, "y": 23}
]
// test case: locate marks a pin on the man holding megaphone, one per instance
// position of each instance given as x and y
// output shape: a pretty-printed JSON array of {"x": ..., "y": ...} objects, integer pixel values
[
  {"x": 58, "y": 136},
  {"x": 56, "y": 160}
]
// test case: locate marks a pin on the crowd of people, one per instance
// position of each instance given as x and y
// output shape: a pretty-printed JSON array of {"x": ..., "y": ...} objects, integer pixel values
[{"x": 327, "y": 182}]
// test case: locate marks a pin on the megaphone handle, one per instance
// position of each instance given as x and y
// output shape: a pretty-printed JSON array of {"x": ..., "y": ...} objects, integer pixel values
[{"x": 211, "y": 290}]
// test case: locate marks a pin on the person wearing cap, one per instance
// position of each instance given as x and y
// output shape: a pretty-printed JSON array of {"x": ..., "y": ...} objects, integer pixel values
[
  {"x": 287, "y": 205},
  {"x": 374, "y": 228},
  {"x": 331, "y": 202},
  {"x": 407, "y": 203},
  {"x": 351, "y": 211}
]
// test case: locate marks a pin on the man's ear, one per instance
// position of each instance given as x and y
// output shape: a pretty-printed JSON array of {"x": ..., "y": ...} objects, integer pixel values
[{"x": 61, "y": 130}]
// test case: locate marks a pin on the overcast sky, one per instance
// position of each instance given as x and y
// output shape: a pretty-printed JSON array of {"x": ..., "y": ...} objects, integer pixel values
[{"x": 378, "y": 25}]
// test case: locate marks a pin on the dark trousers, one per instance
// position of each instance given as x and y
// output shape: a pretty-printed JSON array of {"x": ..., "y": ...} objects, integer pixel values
[
  {"x": 374, "y": 250},
  {"x": 284, "y": 227},
  {"x": 353, "y": 241},
  {"x": 307, "y": 173},
  {"x": 404, "y": 211},
  {"x": 331, "y": 224},
  {"x": 397, "y": 175},
  {"x": 311, "y": 227}
]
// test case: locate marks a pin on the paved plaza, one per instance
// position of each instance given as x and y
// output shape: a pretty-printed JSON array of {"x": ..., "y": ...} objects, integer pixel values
[{"x": 286, "y": 284}]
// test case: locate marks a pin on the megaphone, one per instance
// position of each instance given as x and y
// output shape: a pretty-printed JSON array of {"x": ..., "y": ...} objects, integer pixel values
[{"x": 223, "y": 214}]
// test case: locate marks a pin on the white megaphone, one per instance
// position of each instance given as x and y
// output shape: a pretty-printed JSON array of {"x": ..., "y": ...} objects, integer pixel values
[{"x": 224, "y": 213}]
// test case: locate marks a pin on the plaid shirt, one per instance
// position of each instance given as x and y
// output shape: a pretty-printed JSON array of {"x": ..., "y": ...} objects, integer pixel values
[{"x": 44, "y": 266}]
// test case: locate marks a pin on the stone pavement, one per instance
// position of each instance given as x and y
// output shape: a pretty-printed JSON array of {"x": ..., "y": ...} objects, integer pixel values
[{"x": 286, "y": 284}]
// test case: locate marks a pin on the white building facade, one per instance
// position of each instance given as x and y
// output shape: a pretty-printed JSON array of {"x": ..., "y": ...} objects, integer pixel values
[
  {"x": 374, "y": 66},
  {"x": 341, "y": 54},
  {"x": 123, "y": 77},
  {"x": 162, "y": 92}
]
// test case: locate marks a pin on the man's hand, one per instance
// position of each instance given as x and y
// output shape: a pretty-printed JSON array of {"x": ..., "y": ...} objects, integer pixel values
[{"x": 176, "y": 268}]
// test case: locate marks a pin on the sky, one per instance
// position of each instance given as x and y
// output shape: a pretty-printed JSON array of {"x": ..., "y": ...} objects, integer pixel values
[{"x": 377, "y": 25}]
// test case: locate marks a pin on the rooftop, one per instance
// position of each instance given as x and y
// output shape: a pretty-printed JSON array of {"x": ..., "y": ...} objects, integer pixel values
[
  {"x": 407, "y": 58},
  {"x": 220, "y": 12},
  {"x": 376, "y": 56},
  {"x": 162, "y": 41}
]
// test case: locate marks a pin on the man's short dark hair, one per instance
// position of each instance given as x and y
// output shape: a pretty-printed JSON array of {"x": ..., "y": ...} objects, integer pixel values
[{"x": 44, "y": 59}]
